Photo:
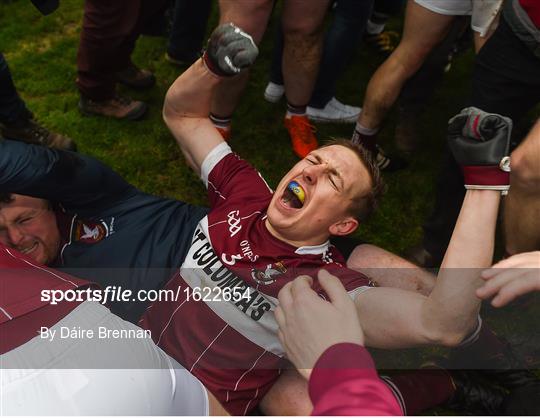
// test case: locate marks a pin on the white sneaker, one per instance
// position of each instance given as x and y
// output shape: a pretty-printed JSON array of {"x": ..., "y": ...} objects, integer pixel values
[
  {"x": 334, "y": 112},
  {"x": 274, "y": 92}
]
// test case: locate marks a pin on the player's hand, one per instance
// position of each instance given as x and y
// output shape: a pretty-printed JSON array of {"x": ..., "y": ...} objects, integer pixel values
[
  {"x": 510, "y": 278},
  {"x": 229, "y": 50},
  {"x": 480, "y": 143},
  {"x": 309, "y": 325}
]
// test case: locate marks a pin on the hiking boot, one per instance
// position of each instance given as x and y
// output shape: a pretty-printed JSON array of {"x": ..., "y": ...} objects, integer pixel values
[
  {"x": 119, "y": 107},
  {"x": 135, "y": 77},
  {"x": 302, "y": 134},
  {"x": 333, "y": 112},
  {"x": 31, "y": 132},
  {"x": 472, "y": 395},
  {"x": 274, "y": 92},
  {"x": 384, "y": 43}
]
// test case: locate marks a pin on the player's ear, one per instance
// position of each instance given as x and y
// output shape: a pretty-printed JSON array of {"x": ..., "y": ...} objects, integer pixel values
[{"x": 345, "y": 226}]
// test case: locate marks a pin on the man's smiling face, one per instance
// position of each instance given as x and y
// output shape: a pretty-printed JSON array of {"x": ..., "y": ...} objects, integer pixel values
[
  {"x": 313, "y": 199},
  {"x": 28, "y": 225}
]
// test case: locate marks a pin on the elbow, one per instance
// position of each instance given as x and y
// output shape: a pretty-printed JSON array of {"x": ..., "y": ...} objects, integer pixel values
[
  {"x": 167, "y": 112},
  {"x": 451, "y": 339},
  {"x": 447, "y": 337}
]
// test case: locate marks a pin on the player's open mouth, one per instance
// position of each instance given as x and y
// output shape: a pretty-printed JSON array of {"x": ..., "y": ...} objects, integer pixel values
[
  {"x": 28, "y": 250},
  {"x": 294, "y": 196}
]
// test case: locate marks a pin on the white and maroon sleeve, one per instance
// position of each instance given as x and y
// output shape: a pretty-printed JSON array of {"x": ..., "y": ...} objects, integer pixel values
[
  {"x": 228, "y": 177},
  {"x": 345, "y": 382}
]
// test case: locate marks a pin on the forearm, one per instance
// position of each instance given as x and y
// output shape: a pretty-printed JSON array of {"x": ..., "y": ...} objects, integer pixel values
[
  {"x": 190, "y": 95},
  {"x": 77, "y": 181},
  {"x": 452, "y": 307},
  {"x": 186, "y": 111}
]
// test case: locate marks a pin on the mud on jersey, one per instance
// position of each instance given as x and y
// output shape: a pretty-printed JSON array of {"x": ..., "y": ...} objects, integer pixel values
[{"x": 232, "y": 345}]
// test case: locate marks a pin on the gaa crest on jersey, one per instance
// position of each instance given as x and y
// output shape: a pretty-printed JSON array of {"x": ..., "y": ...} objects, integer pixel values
[
  {"x": 270, "y": 274},
  {"x": 90, "y": 232}
]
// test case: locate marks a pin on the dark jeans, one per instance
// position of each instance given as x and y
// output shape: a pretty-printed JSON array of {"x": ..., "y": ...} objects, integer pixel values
[
  {"x": 188, "y": 28},
  {"x": 109, "y": 32},
  {"x": 342, "y": 37},
  {"x": 11, "y": 105},
  {"x": 506, "y": 80}
]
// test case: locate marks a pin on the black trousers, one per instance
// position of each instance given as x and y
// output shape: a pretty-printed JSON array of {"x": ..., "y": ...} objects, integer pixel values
[{"x": 506, "y": 80}]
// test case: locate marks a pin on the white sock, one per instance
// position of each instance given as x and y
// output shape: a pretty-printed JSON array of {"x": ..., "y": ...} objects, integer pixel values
[
  {"x": 374, "y": 28},
  {"x": 365, "y": 131}
]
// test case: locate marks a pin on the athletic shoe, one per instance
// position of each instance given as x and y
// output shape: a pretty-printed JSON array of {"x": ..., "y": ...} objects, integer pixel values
[
  {"x": 302, "y": 134},
  {"x": 224, "y": 131},
  {"x": 30, "y": 131},
  {"x": 333, "y": 112},
  {"x": 119, "y": 107},
  {"x": 387, "y": 163},
  {"x": 274, "y": 92},
  {"x": 472, "y": 395},
  {"x": 135, "y": 77},
  {"x": 384, "y": 42}
]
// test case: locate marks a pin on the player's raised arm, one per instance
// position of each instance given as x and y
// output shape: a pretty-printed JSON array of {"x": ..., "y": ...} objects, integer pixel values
[
  {"x": 187, "y": 103},
  {"x": 395, "y": 318}
]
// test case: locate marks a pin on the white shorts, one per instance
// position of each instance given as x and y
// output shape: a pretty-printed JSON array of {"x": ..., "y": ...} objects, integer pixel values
[
  {"x": 483, "y": 12},
  {"x": 96, "y": 376}
]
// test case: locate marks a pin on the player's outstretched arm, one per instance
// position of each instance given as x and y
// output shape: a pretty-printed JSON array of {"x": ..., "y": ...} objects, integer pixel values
[
  {"x": 511, "y": 278},
  {"x": 187, "y": 103},
  {"x": 394, "y": 318}
]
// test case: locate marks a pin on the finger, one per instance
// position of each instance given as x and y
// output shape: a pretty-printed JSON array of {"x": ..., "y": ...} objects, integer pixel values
[
  {"x": 280, "y": 317},
  {"x": 285, "y": 298},
  {"x": 302, "y": 284},
  {"x": 522, "y": 259},
  {"x": 515, "y": 289},
  {"x": 332, "y": 286},
  {"x": 281, "y": 337},
  {"x": 222, "y": 30},
  {"x": 283, "y": 340},
  {"x": 245, "y": 58},
  {"x": 493, "y": 285}
]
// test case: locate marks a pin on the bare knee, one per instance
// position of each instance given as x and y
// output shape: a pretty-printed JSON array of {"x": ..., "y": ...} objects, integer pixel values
[
  {"x": 525, "y": 173},
  {"x": 368, "y": 256},
  {"x": 288, "y": 396},
  {"x": 252, "y": 17},
  {"x": 389, "y": 270}
]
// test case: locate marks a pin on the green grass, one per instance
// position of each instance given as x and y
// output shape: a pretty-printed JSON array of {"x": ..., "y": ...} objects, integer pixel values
[{"x": 41, "y": 52}]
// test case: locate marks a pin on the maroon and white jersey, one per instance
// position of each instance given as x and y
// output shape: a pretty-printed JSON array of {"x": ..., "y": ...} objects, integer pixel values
[
  {"x": 231, "y": 343},
  {"x": 23, "y": 310}
]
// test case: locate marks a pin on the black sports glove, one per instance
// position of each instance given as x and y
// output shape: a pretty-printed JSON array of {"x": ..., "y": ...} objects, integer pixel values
[
  {"x": 480, "y": 143},
  {"x": 229, "y": 50}
]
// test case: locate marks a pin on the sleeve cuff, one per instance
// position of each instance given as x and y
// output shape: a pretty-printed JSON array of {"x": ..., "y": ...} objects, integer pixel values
[
  {"x": 337, "y": 363},
  {"x": 212, "y": 159}
]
